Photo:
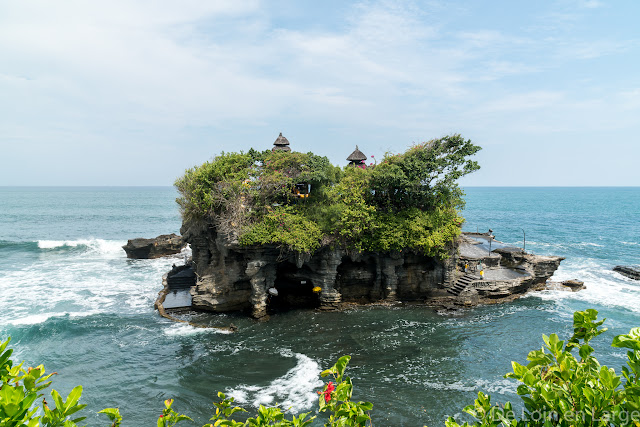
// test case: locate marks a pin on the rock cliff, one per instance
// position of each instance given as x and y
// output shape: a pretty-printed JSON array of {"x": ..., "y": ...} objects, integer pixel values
[{"x": 262, "y": 279}]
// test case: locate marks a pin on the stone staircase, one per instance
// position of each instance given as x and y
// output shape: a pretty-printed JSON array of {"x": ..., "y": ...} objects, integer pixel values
[{"x": 462, "y": 283}]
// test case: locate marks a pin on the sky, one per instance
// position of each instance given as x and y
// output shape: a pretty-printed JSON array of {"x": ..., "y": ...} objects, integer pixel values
[{"x": 133, "y": 92}]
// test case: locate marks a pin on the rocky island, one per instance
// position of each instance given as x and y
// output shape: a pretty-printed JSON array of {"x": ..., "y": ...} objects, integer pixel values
[{"x": 279, "y": 229}]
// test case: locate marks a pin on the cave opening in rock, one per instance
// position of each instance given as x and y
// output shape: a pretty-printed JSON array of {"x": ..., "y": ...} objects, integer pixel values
[{"x": 294, "y": 289}]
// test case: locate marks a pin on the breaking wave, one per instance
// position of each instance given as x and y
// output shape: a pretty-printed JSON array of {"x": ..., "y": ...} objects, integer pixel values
[
  {"x": 296, "y": 389},
  {"x": 97, "y": 246}
]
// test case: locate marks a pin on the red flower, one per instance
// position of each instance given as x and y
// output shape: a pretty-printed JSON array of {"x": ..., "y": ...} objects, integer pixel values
[
  {"x": 327, "y": 392},
  {"x": 161, "y": 416}
]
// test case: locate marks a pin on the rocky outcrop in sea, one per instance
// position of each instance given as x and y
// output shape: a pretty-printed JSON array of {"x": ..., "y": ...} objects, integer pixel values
[
  {"x": 630, "y": 272},
  {"x": 166, "y": 244},
  {"x": 262, "y": 279}
]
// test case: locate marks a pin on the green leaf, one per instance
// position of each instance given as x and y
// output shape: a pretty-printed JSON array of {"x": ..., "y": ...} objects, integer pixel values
[
  {"x": 73, "y": 398},
  {"x": 361, "y": 419},
  {"x": 113, "y": 414},
  {"x": 57, "y": 399},
  {"x": 585, "y": 351},
  {"x": 631, "y": 340},
  {"x": 365, "y": 406}
]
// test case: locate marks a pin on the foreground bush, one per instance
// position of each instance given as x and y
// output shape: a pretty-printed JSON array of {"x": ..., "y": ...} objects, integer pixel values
[
  {"x": 20, "y": 400},
  {"x": 557, "y": 388},
  {"x": 19, "y": 389}
]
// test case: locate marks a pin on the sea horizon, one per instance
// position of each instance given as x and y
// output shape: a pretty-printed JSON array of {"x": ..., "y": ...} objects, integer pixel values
[{"x": 463, "y": 187}]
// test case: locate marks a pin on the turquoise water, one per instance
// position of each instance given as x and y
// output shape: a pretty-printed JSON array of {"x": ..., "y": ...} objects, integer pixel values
[{"x": 71, "y": 300}]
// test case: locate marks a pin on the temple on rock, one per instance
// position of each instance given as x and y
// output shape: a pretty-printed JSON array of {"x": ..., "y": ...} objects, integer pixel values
[
  {"x": 267, "y": 272},
  {"x": 281, "y": 144},
  {"x": 357, "y": 158}
]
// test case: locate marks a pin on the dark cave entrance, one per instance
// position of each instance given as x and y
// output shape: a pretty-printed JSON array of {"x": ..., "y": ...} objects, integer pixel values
[{"x": 294, "y": 289}]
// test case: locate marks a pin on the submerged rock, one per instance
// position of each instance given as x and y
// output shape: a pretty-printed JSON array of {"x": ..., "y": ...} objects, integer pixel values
[
  {"x": 166, "y": 244},
  {"x": 630, "y": 272}
]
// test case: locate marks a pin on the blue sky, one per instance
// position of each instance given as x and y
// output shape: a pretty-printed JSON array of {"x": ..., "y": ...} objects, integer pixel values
[{"x": 134, "y": 92}]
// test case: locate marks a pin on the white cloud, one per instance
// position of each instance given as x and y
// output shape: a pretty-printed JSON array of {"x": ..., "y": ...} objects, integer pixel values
[
  {"x": 141, "y": 72},
  {"x": 592, "y": 4},
  {"x": 523, "y": 102}
]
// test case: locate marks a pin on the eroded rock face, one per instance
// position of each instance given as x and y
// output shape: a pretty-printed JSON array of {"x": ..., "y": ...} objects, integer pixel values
[
  {"x": 166, "y": 244},
  {"x": 631, "y": 273},
  {"x": 262, "y": 279},
  {"x": 232, "y": 277}
]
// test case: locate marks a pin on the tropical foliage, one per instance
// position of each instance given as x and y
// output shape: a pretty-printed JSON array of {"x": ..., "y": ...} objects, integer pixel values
[
  {"x": 20, "y": 393},
  {"x": 20, "y": 402},
  {"x": 407, "y": 201},
  {"x": 559, "y": 388}
]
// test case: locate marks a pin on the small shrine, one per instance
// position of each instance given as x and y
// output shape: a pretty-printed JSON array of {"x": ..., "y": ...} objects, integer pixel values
[
  {"x": 301, "y": 190},
  {"x": 357, "y": 158},
  {"x": 281, "y": 144}
]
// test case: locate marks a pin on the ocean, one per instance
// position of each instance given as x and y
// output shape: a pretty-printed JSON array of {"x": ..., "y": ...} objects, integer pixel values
[{"x": 70, "y": 299}]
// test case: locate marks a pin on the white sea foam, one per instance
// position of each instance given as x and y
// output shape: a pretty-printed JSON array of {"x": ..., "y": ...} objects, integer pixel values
[
  {"x": 183, "y": 329},
  {"x": 98, "y": 246},
  {"x": 51, "y": 244},
  {"x": 94, "y": 278},
  {"x": 35, "y": 319},
  {"x": 503, "y": 386},
  {"x": 564, "y": 245},
  {"x": 603, "y": 286},
  {"x": 296, "y": 389}
]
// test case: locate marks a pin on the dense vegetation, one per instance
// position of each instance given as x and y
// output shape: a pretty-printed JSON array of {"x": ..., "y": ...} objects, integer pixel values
[
  {"x": 407, "y": 201},
  {"x": 557, "y": 388}
]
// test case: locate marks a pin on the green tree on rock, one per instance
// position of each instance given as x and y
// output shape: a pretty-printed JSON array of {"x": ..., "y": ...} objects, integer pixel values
[{"x": 410, "y": 201}]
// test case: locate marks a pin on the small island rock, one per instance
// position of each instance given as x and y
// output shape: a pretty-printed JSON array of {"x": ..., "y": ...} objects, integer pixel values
[
  {"x": 166, "y": 244},
  {"x": 631, "y": 273},
  {"x": 574, "y": 285}
]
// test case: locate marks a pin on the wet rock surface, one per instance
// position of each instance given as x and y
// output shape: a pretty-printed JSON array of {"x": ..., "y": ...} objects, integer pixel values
[
  {"x": 166, "y": 244},
  {"x": 630, "y": 272},
  {"x": 566, "y": 285}
]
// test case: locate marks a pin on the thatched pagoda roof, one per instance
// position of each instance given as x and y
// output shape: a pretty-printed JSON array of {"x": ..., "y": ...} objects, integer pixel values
[
  {"x": 357, "y": 156},
  {"x": 281, "y": 143}
]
